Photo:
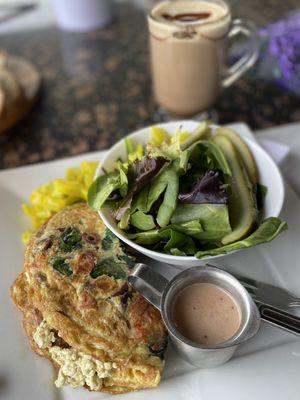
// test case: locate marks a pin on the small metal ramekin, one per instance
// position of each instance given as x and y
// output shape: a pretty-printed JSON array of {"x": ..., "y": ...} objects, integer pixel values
[{"x": 162, "y": 293}]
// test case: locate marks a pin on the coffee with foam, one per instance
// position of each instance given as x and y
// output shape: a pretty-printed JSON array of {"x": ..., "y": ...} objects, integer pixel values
[{"x": 187, "y": 39}]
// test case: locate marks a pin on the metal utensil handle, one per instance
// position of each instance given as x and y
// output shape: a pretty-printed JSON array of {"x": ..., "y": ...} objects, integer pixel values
[
  {"x": 282, "y": 319},
  {"x": 148, "y": 282}
]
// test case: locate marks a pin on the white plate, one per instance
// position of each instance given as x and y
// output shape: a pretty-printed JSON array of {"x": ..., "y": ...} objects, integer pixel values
[{"x": 265, "y": 368}]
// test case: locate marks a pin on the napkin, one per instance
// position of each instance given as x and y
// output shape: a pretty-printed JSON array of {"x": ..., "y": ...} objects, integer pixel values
[{"x": 277, "y": 151}]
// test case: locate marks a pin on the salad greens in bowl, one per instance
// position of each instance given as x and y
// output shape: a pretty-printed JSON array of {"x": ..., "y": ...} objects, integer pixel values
[{"x": 184, "y": 191}]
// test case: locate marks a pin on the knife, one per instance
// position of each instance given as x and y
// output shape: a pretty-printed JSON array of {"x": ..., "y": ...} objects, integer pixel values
[{"x": 272, "y": 301}]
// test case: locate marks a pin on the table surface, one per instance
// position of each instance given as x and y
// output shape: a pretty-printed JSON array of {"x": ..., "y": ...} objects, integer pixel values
[{"x": 97, "y": 86}]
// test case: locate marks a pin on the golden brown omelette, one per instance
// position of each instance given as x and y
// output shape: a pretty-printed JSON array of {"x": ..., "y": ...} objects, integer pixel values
[{"x": 79, "y": 312}]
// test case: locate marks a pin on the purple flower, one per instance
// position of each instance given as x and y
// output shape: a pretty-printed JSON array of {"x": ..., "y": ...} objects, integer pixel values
[{"x": 284, "y": 46}]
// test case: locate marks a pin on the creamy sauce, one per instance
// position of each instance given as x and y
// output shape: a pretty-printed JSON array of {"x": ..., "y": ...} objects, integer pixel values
[{"x": 206, "y": 314}]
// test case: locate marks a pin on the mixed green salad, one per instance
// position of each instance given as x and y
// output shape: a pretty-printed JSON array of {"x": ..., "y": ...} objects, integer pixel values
[{"x": 194, "y": 194}]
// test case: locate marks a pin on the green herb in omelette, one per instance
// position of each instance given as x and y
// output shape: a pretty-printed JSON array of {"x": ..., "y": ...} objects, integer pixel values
[
  {"x": 130, "y": 261},
  {"x": 108, "y": 240},
  {"x": 108, "y": 266},
  {"x": 62, "y": 266},
  {"x": 70, "y": 239}
]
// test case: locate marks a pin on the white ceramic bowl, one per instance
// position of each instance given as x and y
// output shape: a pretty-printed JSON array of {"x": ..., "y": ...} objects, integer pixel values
[{"x": 269, "y": 175}]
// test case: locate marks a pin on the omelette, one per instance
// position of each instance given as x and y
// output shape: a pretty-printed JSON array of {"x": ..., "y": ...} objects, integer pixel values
[{"x": 79, "y": 312}]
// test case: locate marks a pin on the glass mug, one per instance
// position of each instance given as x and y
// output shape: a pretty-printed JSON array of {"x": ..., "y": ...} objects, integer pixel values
[{"x": 188, "y": 43}]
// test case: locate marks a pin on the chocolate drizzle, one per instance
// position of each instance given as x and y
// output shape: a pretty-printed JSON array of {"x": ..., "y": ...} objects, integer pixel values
[{"x": 187, "y": 17}]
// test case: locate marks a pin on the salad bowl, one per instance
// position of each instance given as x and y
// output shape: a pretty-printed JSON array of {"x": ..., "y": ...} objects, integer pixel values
[{"x": 269, "y": 176}]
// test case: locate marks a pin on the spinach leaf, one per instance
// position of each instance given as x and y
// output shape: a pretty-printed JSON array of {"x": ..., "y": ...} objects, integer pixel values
[
  {"x": 102, "y": 188},
  {"x": 124, "y": 222},
  {"x": 61, "y": 265},
  {"x": 267, "y": 231},
  {"x": 123, "y": 171},
  {"x": 211, "y": 216},
  {"x": 178, "y": 240},
  {"x": 140, "y": 200},
  {"x": 151, "y": 193},
  {"x": 108, "y": 266},
  {"x": 70, "y": 239},
  {"x": 157, "y": 187},
  {"x": 146, "y": 238},
  {"x": 141, "y": 172},
  {"x": 191, "y": 228},
  {"x": 168, "y": 182},
  {"x": 177, "y": 252},
  {"x": 206, "y": 155},
  {"x": 142, "y": 221},
  {"x": 208, "y": 189},
  {"x": 173, "y": 238},
  {"x": 108, "y": 240}
]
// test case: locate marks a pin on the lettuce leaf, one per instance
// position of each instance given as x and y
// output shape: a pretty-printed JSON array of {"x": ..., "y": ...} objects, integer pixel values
[
  {"x": 146, "y": 238},
  {"x": 207, "y": 156},
  {"x": 195, "y": 230},
  {"x": 211, "y": 216},
  {"x": 167, "y": 239},
  {"x": 134, "y": 152},
  {"x": 142, "y": 221},
  {"x": 169, "y": 202},
  {"x": 177, "y": 240},
  {"x": 169, "y": 150},
  {"x": 101, "y": 189},
  {"x": 190, "y": 228},
  {"x": 167, "y": 183},
  {"x": 123, "y": 171},
  {"x": 267, "y": 231},
  {"x": 207, "y": 189},
  {"x": 140, "y": 173}
]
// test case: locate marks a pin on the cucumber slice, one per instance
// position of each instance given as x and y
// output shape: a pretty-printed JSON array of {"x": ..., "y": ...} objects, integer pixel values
[
  {"x": 244, "y": 151},
  {"x": 241, "y": 203}
]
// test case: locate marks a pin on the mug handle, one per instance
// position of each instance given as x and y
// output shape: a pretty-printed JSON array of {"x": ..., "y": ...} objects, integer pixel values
[
  {"x": 235, "y": 71},
  {"x": 148, "y": 282}
]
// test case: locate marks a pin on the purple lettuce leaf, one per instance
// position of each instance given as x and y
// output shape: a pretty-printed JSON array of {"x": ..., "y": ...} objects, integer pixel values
[
  {"x": 140, "y": 173},
  {"x": 208, "y": 189}
]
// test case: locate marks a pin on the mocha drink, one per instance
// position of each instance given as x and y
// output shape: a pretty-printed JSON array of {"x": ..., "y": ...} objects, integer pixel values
[{"x": 186, "y": 39}]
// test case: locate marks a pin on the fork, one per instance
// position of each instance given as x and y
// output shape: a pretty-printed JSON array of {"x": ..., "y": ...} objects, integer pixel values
[{"x": 266, "y": 293}]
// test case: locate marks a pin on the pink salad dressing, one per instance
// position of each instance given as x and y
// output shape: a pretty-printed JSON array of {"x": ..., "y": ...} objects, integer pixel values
[{"x": 206, "y": 314}]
